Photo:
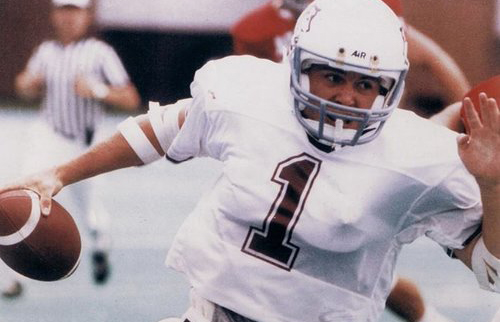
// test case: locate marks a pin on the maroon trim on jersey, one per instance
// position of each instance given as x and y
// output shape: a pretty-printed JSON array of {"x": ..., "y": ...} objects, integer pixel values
[
  {"x": 272, "y": 242},
  {"x": 320, "y": 146},
  {"x": 176, "y": 161},
  {"x": 476, "y": 233},
  {"x": 451, "y": 252}
]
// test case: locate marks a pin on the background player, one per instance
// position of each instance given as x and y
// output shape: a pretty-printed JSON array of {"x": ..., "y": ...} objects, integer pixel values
[
  {"x": 450, "y": 219},
  {"x": 266, "y": 31},
  {"x": 76, "y": 76}
]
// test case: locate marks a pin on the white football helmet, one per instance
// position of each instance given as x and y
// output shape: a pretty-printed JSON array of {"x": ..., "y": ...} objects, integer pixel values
[{"x": 362, "y": 36}]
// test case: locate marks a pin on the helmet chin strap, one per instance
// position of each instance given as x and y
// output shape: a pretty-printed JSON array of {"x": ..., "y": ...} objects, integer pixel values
[
  {"x": 338, "y": 129},
  {"x": 304, "y": 84},
  {"x": 378, "y": 103}
]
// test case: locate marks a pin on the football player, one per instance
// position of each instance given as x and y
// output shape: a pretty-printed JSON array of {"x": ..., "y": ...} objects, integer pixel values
[
  {"x": 265, "y": 31},
  {"x": 324, "y": 180}
]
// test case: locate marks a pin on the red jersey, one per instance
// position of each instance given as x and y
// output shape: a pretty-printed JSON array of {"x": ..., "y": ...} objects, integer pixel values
[
  {"x": 261, "y": 32},
  {"x": 396, "y": 6}
]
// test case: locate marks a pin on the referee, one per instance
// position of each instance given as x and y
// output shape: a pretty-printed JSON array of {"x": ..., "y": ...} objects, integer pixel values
[{"x": 75, "y": 76}]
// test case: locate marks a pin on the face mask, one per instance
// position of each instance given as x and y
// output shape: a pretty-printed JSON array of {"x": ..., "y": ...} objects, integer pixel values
[{"x": 336, "y": 132}]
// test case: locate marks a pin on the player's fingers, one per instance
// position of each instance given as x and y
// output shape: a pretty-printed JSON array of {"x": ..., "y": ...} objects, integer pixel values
[
  {"x": 490, "y": 112},
  {"x": 47, "y": 191},
  {"x": 10, "y": 188},
  {"x": 45, "y": 204},
  {"x": 45, "y": 199},
  {"x": 471, "y": 114}
]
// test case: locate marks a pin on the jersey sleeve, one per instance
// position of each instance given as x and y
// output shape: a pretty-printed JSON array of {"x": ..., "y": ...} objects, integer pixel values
[
  {"x": 112, "y": 67},
  {"x": 196, "y": 136},
  {"x": 450, "y": 212}
]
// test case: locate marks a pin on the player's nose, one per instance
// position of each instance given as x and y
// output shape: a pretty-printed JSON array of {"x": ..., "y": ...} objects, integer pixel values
[{"x": 344, "y": 95}]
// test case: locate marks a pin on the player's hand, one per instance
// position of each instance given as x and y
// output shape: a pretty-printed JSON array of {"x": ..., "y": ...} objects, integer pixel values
[
  {"x": 480, "y": 148},
  {"x": 90, "y": 87},
  {"x": 29, "y": 85},
  {"x": 46, "y": 184}
]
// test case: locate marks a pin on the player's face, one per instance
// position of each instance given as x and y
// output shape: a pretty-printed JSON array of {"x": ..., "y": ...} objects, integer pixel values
[
  {"x": 341, "y": 87},
  {"x": 70, "y": 23}
]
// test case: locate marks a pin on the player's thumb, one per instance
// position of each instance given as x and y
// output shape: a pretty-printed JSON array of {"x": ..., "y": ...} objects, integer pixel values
[{"x": 45, "y": 205}]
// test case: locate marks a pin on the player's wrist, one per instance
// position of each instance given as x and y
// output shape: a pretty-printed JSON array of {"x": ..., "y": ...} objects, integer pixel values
[{"x": 99, "y": 90}]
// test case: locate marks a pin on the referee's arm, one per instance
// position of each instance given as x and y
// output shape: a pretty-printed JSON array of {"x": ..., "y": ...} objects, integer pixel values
[
  {"x": 123, "y": 97},
  {"x": 28, "y": 85}
]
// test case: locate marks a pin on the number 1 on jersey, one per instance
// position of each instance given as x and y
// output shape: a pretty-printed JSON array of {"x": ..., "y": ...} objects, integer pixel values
[{"x": 271, "y": 243}]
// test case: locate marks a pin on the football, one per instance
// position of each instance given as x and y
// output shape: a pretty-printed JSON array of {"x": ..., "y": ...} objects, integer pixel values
[
  {"x": 490, "y": 86},
  {"x": 44, "y": 248}
]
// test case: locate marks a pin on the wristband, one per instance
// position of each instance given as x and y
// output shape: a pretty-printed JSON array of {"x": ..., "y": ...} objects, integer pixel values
[
  {"x": 486, "y": 267},
  {"x": 99, "y": 90}
]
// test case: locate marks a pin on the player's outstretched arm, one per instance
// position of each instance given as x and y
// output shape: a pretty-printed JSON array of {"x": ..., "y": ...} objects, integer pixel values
[
  {"x": 480, "y": 152},
  {"x": 112, "y": 154}
]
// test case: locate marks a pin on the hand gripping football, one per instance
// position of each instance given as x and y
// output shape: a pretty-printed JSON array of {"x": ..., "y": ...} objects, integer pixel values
[{"x": 45, "y": 248}]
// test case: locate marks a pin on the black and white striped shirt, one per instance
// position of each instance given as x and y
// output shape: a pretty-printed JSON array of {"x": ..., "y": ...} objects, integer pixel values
[{"x": 69, "y": 114}]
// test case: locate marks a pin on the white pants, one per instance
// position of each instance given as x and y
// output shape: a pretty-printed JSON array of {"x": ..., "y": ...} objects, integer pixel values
[
  {"x": 202, "y": 310},
  {"x": 47, "y": 149}
]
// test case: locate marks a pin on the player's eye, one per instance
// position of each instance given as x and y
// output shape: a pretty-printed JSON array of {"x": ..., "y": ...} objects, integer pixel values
[
  {"x": 368, "y": 85},
  {"x": 335, "y": 78}
]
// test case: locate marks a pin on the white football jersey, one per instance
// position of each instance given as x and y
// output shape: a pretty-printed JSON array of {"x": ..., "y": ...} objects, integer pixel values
[{"x": 290, "y": 233}]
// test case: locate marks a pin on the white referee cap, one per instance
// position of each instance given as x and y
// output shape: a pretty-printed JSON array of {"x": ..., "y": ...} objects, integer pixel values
[{"x": 77, "y": 3}]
